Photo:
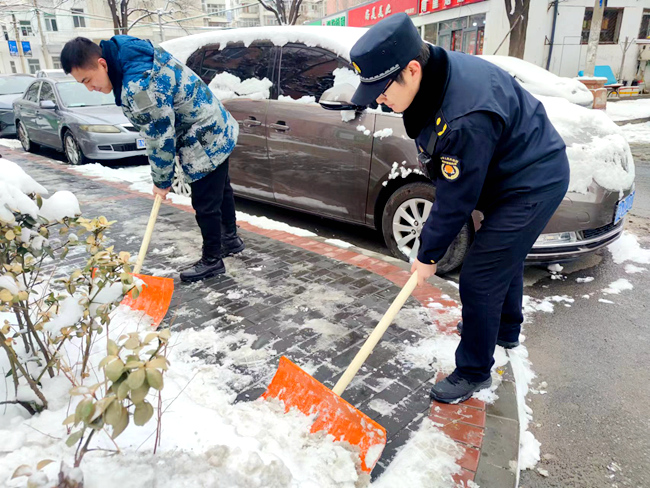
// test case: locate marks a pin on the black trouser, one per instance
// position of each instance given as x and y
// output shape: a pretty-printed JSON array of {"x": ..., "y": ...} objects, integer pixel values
[
  {"x": 491, "y": 281},
  {"x": 214, "y": 204}
]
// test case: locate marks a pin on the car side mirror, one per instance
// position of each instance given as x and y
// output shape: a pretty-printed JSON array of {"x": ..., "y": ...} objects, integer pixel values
[
  {"x": 339, "y": 98},
  {"x": 47, "y": 104}
]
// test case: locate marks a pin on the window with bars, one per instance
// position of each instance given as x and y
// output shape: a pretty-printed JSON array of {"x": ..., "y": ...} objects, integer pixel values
[
  {"x": 610, "y": 28},
  {"x": 644, "y": 31},
  {"x": 78, "y": 20},
  {"x": 26, "y": 28}
]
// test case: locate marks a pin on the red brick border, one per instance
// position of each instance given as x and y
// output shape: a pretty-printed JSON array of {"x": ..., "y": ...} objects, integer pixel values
[{"x": 464, "y": 423}]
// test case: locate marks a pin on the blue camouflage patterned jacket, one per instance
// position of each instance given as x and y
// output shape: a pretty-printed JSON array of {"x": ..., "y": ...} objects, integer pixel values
[{"x": 172, "y": 108}]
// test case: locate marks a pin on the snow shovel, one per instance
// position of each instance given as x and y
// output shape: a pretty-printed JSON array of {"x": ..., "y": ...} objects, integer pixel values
[
  {"x": 297, "y": 389},
  {"x": 156, "y": 294}
]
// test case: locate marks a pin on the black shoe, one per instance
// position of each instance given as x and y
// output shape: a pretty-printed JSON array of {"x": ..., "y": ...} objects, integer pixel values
[
  {"x": 454, "y": 389},
  {"x": 202, "y": 269},
  {"x": 504, "y": 344},
  {"x": 231, "y": 244}
]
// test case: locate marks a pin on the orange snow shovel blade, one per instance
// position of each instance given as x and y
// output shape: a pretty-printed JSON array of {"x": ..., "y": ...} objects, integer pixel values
[
  {"x": 154, "y": 298},
  {"x": 156, "y": 293},
  {"x": 297, "y": 389}
]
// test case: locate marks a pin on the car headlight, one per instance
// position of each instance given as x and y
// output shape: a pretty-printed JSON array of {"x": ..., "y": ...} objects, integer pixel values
[
  {"x": 102, "y": 129},
  {"x": 555, "y": 239}
]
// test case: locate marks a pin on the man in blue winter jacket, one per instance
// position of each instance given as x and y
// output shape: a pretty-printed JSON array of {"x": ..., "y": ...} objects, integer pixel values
[
  {"x": 178, "y": 116},
  {"x": 488, "y": 145}
]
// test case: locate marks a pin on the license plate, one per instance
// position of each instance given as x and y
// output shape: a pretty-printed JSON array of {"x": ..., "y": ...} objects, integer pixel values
[
  {"x": 623, "y": 207},
  {"x": 141, "y": 143}
]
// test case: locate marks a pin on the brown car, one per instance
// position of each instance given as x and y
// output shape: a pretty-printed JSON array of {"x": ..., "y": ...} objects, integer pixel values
[{"x": 359, "y": 166}]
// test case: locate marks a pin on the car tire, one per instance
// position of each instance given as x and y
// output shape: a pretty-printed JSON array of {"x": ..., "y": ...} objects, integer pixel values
[
  {"x": 23, "y": 137},
  {"x": 73, "y": 152},
  {"x": 403, "y": 217}
]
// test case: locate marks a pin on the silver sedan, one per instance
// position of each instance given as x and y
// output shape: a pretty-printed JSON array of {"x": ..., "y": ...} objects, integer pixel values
[{"x": 87, "y": 126}]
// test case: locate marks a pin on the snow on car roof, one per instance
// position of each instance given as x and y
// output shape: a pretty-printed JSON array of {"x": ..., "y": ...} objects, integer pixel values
[
  {"x": 541, "y": 82},
  {"x": 337, "y": 39}
]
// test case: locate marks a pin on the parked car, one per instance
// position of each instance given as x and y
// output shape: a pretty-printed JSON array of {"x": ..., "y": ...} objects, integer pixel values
[
  {"x": 64, "y": 115},
  {"x": 11, "y": 87},
  {"x": 51, "y": 73},
  {"x": 359, "y": 166}
]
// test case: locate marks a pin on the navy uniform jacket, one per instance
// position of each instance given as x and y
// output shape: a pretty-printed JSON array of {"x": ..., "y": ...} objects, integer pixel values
[{"x": 484, "y": 140}]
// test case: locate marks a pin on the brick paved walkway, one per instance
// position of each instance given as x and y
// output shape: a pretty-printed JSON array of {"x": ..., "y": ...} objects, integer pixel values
[{"x": 293, "y": 296}]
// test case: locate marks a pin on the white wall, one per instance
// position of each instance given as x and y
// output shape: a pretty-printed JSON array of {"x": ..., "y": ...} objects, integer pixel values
[{"x": 569, "y": 55}]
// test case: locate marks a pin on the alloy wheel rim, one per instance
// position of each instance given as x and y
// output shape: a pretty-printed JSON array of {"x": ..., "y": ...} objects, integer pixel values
[
  {"x": 408, "y": 220},
  {"x": 22, "y": 135},
  {"x": 71, "y": 150}
]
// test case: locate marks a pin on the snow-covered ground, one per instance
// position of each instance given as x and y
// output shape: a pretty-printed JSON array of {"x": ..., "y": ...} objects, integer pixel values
[
  {"x": 629, "y": 109},
  {"x": 637, "y": 133}
]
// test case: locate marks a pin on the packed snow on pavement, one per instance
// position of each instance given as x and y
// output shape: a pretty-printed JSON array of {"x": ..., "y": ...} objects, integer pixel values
[{"x": 628, "y": 109}]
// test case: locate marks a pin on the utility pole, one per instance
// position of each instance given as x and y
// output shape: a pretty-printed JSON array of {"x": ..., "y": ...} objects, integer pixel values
[
  {"x": 594, "y": 37},
  {"x": 18, "y": 43},
  {"x": 46, "y": 53}
]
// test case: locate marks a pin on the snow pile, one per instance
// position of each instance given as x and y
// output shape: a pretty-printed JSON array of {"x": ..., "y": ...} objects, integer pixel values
[
  {"x": 336, "y": 39},
  {"x": 60, "y": 205},
  {"x": 227, "y": 86},
  {"x": 207, "y": 441},
  {"x": 629, "y": 109},
  {"x": 15, "y": 187},
  {"x": 306, "y": 100},
  {"x": 542, "y": 82},
  {"x": 428, "y": 459},
  {"x": 12, "y": 143},
  {"x": 361, "y": 128},
  {"x": 596, "y": 147},
  {"x": 339, "y": 243},
  {"x": 627, "y": 248}
]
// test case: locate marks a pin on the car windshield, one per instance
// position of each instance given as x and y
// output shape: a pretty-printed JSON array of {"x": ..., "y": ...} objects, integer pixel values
[
  {"x": 10, "y": 85},
  {"x": 74, "y": 94}
]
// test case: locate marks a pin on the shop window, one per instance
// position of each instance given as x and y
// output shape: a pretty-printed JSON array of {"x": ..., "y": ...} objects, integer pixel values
[
  {"x": 431, "y": 33},
  {"x": 609, "y": 29}
]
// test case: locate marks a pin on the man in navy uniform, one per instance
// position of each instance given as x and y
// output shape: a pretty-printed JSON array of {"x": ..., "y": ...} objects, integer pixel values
[{"x": 488, "y": 145}]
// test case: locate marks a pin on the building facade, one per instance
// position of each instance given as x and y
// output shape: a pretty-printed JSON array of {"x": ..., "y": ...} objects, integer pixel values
[{"x": 482, "y": 27}]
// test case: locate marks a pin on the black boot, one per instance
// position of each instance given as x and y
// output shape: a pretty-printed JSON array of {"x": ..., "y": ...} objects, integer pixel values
[
  {"x": 206, "y": 267},
  {"x": 454, "y": 389},
  {"x": 504, "y": 344},
  {"x": 231, "y": 243}
]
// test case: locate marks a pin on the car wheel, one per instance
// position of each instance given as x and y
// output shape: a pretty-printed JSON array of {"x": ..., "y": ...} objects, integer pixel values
[
  {"x": 72, "y": 150},
  {"x": 179, "y": 185},
  {"x": 24, "y": 139},
  {"x": 403, "y": 218}
]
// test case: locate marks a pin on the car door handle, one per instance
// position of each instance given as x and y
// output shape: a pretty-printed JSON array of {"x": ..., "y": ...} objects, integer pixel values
[
  {"x": 280, "y": 125},
  {"x": 251, "y": 122}
]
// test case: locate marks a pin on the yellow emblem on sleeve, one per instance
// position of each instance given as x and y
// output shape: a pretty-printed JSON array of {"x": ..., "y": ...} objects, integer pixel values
[{"x": 450, "y": 168}]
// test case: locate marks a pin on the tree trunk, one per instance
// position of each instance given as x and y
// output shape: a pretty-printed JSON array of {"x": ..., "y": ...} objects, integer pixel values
[{"x": 518, "y": 19}]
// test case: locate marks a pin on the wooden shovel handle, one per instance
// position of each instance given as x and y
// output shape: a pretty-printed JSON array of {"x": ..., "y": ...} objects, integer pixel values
[
  {"x": 147, "y": 234},
  {"x": 376, "y": 335}
]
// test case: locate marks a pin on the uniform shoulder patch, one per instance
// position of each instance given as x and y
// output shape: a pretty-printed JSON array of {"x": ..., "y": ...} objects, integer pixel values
[{"x": 450, "y": 167}]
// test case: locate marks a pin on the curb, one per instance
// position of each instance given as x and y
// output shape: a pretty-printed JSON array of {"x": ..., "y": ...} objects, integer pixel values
[
  {"x": 632, "y": 121},
  {"x": 475, "y": 426}
]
